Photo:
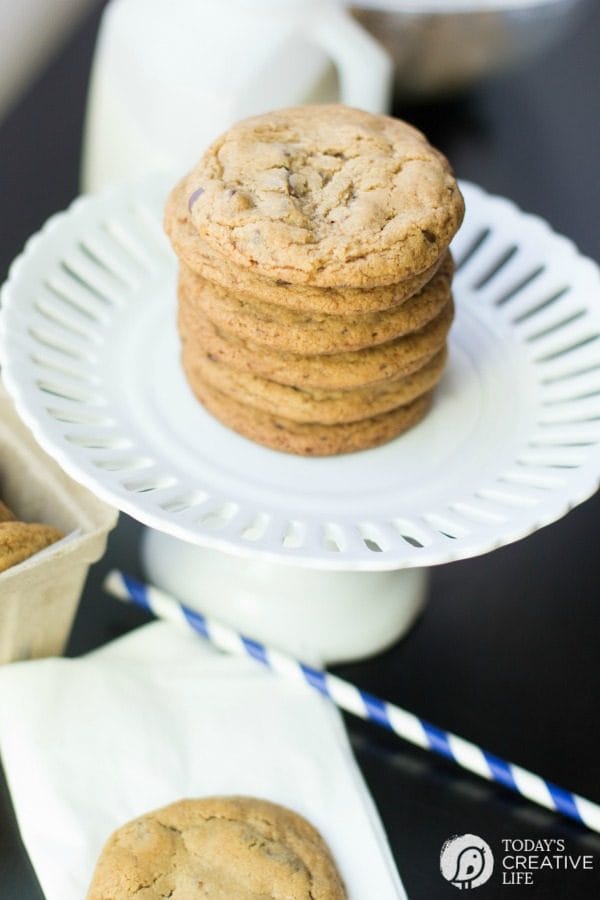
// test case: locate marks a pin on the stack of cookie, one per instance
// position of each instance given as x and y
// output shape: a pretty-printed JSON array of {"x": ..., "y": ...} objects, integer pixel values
[{"x": 315, "y": 278}]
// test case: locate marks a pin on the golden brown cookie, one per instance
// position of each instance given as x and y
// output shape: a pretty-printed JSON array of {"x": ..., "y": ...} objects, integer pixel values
[
  {"x": 325, "y": 195},
  {"x": 225, "y": 848},
  {"x": 214, "y": 266},
  {"x": 307, "y": 332},
  {"x": 6, "y": 514},
  {"x": 334, "y": 371},
  {"x": 310, "y": 439},
  {"x": 322, "y": 407},
  {"x": 20, "y": 540}
]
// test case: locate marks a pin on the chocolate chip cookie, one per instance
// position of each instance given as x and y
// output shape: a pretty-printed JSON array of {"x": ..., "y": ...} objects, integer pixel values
[
  {"x": 327, "y": 196},
  {"x": 313, "y": 406},
  {"x": 309, "y": 332},
  {"x": 327, "y": 371},
  {"x": 213, "y": 265},
  {"x": 20, "y": 540},
  {"x": 309, "y": 438},
  {"x": 225, "y": 848}
]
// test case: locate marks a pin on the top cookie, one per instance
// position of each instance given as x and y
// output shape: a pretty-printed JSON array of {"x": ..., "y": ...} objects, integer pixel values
[
  {"x": 216, "y": 267},
  {"x": 325, "y": 195}
]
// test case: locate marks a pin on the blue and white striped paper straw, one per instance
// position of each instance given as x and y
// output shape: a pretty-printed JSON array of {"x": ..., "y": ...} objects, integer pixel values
[{"x": 360, "y": 703}]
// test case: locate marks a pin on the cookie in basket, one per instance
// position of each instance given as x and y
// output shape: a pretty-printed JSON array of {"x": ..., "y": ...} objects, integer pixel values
[{"x": 20, "y": 540}]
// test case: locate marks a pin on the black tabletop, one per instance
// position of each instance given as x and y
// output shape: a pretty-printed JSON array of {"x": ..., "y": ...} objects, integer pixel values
[{"x": 507, "y": 653}]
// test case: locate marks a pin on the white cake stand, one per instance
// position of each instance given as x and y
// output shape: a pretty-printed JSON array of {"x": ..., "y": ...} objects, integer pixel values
[{"x": 325, "y": 557}]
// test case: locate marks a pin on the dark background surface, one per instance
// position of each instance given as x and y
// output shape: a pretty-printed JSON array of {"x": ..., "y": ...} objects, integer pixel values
[{"x": 507, "y": 653}]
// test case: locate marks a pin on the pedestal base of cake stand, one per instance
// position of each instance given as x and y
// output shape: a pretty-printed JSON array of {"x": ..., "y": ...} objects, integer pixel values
[{"x": 318, "y": 616}]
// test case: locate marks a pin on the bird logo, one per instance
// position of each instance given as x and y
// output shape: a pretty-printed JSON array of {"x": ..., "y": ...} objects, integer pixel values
[
  {"x": 466, "y": 861},
  {"x": 469, "y": 866}
]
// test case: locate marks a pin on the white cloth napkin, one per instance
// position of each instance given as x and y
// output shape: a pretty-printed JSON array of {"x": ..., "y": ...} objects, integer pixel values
[{"x": 90, "y": 743}]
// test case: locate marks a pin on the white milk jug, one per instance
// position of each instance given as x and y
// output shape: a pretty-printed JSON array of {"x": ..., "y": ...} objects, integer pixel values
[{"x": 170, "y": 75}]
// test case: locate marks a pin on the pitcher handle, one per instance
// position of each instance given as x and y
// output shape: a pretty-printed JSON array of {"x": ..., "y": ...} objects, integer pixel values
[{"x": 365, "y": 69}]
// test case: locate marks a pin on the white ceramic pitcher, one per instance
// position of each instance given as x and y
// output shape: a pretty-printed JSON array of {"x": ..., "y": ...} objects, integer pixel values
[{"x": 170, "y": 75}]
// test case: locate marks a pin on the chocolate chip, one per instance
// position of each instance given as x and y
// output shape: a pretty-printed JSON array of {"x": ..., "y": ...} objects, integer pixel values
[{"x": 194, "y": 196}]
